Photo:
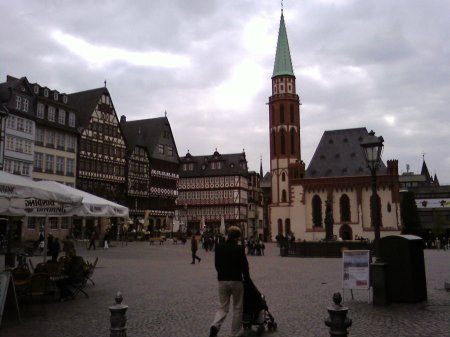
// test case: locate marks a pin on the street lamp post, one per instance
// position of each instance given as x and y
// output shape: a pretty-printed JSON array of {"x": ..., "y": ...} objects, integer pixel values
[{"x": 373, "y": 148}]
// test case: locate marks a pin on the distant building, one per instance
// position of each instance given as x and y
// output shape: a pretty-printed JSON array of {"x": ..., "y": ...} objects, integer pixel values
[
  {"x": 152, "y": 171},
  {"x": 410, "y": 180},
  {"x": 256, "y": 224},
  {"x": 18, "y": 126},
  {"x": 432, "y": 200},
  {"x": 213, "y": 190}
]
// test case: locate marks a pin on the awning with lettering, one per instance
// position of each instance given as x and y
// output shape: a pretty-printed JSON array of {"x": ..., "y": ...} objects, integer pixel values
[
  {"x": 22, "y": 196},
  {"x": 91, "y": 205}
]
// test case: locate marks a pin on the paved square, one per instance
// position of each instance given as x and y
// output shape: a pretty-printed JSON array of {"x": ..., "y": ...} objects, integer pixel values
[{"x": 169, "y": 297}]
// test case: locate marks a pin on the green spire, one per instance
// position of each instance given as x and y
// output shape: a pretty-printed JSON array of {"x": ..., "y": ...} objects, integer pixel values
[{"x": 283, "y": 62}]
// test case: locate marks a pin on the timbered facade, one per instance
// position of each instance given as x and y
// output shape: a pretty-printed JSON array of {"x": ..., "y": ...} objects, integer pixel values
[
  {"x": 101, "y": 155},
  {"x": 213, "y": 190},
  {"x": 152, "y": 171}
]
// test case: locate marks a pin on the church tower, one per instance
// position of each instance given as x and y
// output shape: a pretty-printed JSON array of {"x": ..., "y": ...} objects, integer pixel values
[{"x": 284, "y": 121}]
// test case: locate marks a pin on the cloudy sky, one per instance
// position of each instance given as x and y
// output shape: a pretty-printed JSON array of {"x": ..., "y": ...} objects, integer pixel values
[{"x": 380, "y": 64}]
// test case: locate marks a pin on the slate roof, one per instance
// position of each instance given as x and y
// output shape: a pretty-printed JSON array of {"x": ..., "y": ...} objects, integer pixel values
[
  {"x": 148, "y": 133},
  {"x": 231, "y": 164},
  {"x": 339, "y": 154},
  {"x": 85, "y": 102}
]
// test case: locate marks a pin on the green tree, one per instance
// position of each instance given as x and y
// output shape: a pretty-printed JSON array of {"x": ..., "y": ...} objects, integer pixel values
[{"x": 410, "y": 215}]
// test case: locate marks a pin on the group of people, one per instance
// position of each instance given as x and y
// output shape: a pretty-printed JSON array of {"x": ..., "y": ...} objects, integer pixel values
[
  {"x": 255, "y": 247},
  {"x": 209, "y": 241},
  {"x": 93, "y": 238}
]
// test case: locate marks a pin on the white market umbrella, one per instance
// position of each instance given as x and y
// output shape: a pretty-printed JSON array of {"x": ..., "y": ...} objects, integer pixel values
[
  {"x": 91, "y": 204},
  {"x": 23, "y": 196}
]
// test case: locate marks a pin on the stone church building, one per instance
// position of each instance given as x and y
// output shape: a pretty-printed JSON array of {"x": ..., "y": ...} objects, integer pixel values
[{"x": 337, "y": 173}]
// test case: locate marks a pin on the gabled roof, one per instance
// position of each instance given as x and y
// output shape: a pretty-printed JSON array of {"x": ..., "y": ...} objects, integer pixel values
[
  {"x": 85, "y": 102},
  {"x": 435, "y": 180},
  {"x": 13, "y": 83},
  {"x": 339, "y": 154},
  {"x": 148, "y": 133},
  {"x": 231, "y": 164},
  {"x": 426, "y": 173},
  {"x": 283, "y": 62}
]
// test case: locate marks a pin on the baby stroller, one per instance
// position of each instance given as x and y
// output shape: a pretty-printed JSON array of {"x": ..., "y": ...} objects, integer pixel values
[{"x": 256, "y": 311}]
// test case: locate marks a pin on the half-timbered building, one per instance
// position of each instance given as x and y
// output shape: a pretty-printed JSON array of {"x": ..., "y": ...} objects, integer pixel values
[
  {"x": 101, "y": 155},
  {"x": 152, "y": 171},
  {"x": 213, "y": 189}
]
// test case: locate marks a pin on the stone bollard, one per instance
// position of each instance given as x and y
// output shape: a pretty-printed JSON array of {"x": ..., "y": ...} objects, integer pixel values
[
  {"x": 118, "y": 317},
  {"x": 338, "y": 320}
]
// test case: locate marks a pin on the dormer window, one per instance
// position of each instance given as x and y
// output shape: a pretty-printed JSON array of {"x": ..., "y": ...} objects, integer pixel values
[
  {"x": 55, "y": 95},
  {"x": 36, "y": 89},
  {"x": 65, "y": 99},
  {"x": 45, "y": 92}
]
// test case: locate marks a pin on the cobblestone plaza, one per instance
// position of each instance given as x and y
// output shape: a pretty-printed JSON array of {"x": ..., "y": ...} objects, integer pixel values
[{"x": 169, "y": 297}]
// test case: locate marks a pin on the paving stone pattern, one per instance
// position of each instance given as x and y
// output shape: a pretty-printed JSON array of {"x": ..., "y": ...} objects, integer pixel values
[{"x": 169, "y": 297}]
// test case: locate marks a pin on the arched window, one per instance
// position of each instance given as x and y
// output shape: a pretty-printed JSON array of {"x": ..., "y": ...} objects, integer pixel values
[
  {"x": 344, "y": 204},
  {"x": 287, "y": 226},
  {"x": 281, "y": 113},
  {"x": 317, "y": 211},
  {"x": 292, "y": 142},
  {"x": 379, "y": 210},
  {"x": 283, "y": 176},
  {"x": 282, "y": 143},
  {"x": 280, "y": 227},
  {"x": 283, "y": 196}
]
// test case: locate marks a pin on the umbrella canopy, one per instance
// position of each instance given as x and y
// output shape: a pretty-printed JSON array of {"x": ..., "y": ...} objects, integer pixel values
[
  {"x": 91, "y": 205},
  {"x": 22, "y": 196}
]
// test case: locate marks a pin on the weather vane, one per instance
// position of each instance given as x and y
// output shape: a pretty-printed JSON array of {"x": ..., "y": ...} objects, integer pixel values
[{"x": 281, "y": 5}]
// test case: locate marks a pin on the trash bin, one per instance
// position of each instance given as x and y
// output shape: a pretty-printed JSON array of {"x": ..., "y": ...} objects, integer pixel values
[{"x": 405, "y": 270}]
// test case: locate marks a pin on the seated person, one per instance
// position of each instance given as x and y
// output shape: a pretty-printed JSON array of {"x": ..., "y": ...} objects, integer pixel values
[{"x": 73, "y": 273}]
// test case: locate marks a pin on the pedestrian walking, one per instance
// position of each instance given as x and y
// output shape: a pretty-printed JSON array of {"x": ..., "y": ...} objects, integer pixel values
[
  {"x": 55, "y": 249},
  {"x": 232, "y": 271},
  {"x": 106, "y": 239},
  {"x": 194, "y": 248},
  {"x": 92, "y": 241}
]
